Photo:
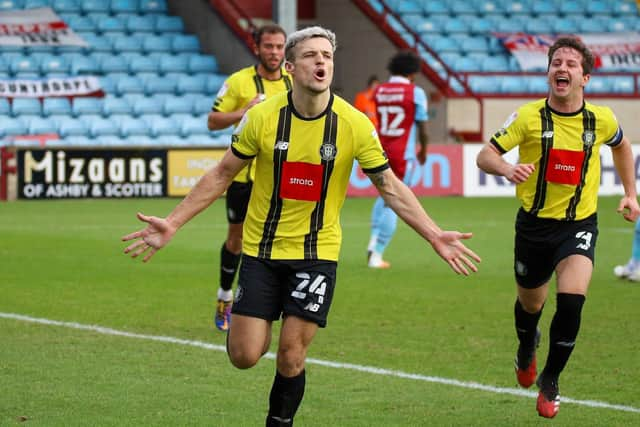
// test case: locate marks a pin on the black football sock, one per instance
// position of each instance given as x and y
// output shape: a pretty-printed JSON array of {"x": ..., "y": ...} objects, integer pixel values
[
  {"x": 286, "y": 395},
  {"x": 228, "y": 267},
  {"x": 526, "y": 326},
  {"x": 563, "y": 332}
]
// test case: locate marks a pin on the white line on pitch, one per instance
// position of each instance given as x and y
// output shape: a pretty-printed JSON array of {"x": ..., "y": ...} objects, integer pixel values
[{"x": 327, "y": 363}]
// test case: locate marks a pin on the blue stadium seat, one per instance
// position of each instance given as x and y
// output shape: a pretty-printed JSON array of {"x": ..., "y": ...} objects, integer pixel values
[
  {"x": 95, "y": 6},
  {"x": 33, "y": 4},
  {"x": 215, "y": 82},
  {"x": 152, "y": 6},
  {"x": 69, "y": 126},
  {"x": 115, "y": 105},
  {"x": 26, "y": 106},
  {"x": 544, "y": 7},
  {"x": 97, "y": 43},
  {"x": 160, "y": 85},
  {"x": 194, "y": 126},
  {"x": 130, "y": 126},
  {"x": 488, "y": 7},
  {"x": 185, "y": 43},
  {"x": 13, "y": 126},
  {"x": 100, "y": 126},
  {"x": 597, "y": 7},
  {"x": 434, "y": 7},
  {"x": 495, "y": 63},
  {"x": 83, "y": 65},
  {"x": 111, "y": 24},
  {"x": 147, "y": 106},
  {"x": 196, "y": 83},
  {"x": 624, "y": 8},
  {"x": 166, "y": 24},
  {"x": 622, "y": 84},
  {"x": 81, "y": 23},
  {"x": 517, "y": 7},
  {"x": 484, "y": 84},
  {"x": 202, "y": 105},
  {"x": 153, "y": 43},
  {"x": 202, "y": 64},
  {"x": 513, "y": 84},
  {"x": 455, "y": 25},
  {"x": 481, "y": 25},
  {"x": 429, "y": 26},
  {"x": 474, "y": 44},
  {"x": 124, "y": 6},
  {"x": 121, "y": 42},
  {"x": 113, "y": 64},
  {"x": 141, "y": 23},
  {"x": 54, "y": 65},
  {"x": 5, "y": 108},
  {"x": 42, "y": 125},
  {"x": 56, "y": 106},
  {"x": 571, "y": 7},
  {"x": 11, "y": 5},
  {"x": 129, "y": 84},
  {"x": 160, "y": 125},
  {"x": 177, "y": 105},
  {"x": 466, "y": 64},
  {"x": 442, "y": 44},
  {"x": 537, "y": 85},
  {"x": 622, "y": 24},
  {"x": 598, "y": 84},
  {"x": 143, "y": 64},
  {"x": 25, "y": 66},
  {"x": 539, "y": 26},
  {"x": 174, "y": 63},
  {"x": 4, "y": 67},
  {"x": 594, "y": 24},
  {"x": 87, "y": 105},
  {"x": 564, "y": 25}
]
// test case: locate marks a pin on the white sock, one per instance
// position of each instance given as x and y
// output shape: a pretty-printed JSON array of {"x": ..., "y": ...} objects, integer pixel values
[
  {"x": 372, "y": 243},
  {"x": 225, "y": 295},
  {"x": 375, "y": 259}
]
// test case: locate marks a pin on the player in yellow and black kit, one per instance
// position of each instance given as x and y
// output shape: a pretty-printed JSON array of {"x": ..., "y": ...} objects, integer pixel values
[
  {"x": 242, "y": 90},
  {"x": 303, "y": 145},
  {"x": 557, "y": 182}
]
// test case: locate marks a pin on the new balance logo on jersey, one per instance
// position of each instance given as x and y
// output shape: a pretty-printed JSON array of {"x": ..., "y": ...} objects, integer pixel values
[
  {"x": 547, "y": 134},
  {"x": 282, "y": 145}
]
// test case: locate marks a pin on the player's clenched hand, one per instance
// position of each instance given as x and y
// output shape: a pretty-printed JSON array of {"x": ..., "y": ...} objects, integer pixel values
[
  {"x": 520, "y": 172},
  {"x": 150, "y": 239},
  {"x": 455, "y": 253}
]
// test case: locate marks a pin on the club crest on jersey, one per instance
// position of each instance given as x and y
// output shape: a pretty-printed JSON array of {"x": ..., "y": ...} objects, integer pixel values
[
  {"x": 588, "y": 137},
  {"x": 282, "y": 145},
  {"x": 328, "y": 152}
]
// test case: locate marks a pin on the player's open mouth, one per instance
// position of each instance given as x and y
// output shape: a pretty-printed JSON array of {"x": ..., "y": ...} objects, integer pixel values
[
  {"x": 562, "y": 82},
  {"x": 320, "y": 74}
]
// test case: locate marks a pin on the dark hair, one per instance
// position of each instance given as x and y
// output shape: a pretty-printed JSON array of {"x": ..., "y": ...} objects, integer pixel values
[
  {"x": 404, "y": 63},
  {"x": 267, "y": 29},
  {"x": 573, "y": 43}
]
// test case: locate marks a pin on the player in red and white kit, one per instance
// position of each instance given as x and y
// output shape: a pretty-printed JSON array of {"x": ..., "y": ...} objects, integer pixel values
[{"x": 401, "y": 108}]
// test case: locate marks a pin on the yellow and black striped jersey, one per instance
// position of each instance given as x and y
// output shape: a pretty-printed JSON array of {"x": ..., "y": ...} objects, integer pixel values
[
  {"x": 302, "y": 173},
  {"x": 565, "y": 149},
  {"x": 239, "y": 89}
]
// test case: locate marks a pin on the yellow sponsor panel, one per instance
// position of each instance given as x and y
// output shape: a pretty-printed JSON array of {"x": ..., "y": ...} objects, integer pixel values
[{"x": 186, "y": 167}]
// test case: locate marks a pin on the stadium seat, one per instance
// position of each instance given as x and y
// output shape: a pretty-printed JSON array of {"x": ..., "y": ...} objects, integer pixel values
[
  {"x": 177, "y": 105},
  {"x": 494, "y": 63},
  {"x": 160, "y": 125},
  {"x": 69, "y": 126},
  {"x": 97, "y": 43},
  {"x": 539, "y": 26},
  {"x": 87, "y": 105},
  {"x": 597, "y": 7},
  {"x": 455, "y": 25},
  {"x": 572, "y": 7},
  {"x": 481, "y": 25},
  {"x": 4, "y": 67},
  {"x": 133, "y": 126},
  {"x": 165, "y": 24},
  {"x": 13, "y": 126},
  {"x": 95, "y": 6},
  {"x": 621, "y": 84},
  {"x": 174, "y": 63},
  {"x": 537, "y": 84},
  {"x": 26, "y": 106},
  {"x": 435, "y": 7},
  {"x": 11, "y": 5},
  {"x": 466, "y": 64},
  {"x": 153, "y": 43},
  {"x": 147, "y": 106},
  {"x": 196, "y": 83},
  {"x": 54, "y": 65},
  {"x": 81, "y": 23},
  {"x": 484, "y": 84},
  {"x": 202, "y": 105},
  {"x": 83, "y": 65},
  {"x": 564, "y": 25},
  {"x": 624, "y": 8},
  {"x": 619, "y": 25},
  {"x": 214, "y": 83},
  {"x": 513, "y": 84},
  {"x": 140, "y": 23},
  {"x": 517, "y": 8},
  {"x": 41, "y": 125},
  {"x": 113, "y": 64},
  {"x": 442, "y": 44},
  {"x": 25, "y": 65},
  {"x": 181, "y": 43},
  {"x": 202, "y": 64},
  {"x": 152, "y": 6},
  {"x": 598, "y": 84},
  {"x": 115, "y": 105},
  {"x": 129, "y": 84},
  {"x": 77, "y": 141},
  {"x": 544, "y": 7},
  {"x": 124, "y": 6},
  {"x": 5, "y": 108},
  {"x": 160, "y": 85},
  {"x": 194, "y": 126},
  {"x": 121, "y": 42},
  {"x": 101, "y": 126},
  {"x": 143, "y": 64},
  {"x": 56, "y": 106},
  {"x": 474, "y": 44},
  {"x": 110, "y": 25}
]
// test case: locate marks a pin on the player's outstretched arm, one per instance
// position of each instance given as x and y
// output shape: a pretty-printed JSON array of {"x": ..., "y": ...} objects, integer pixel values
[
  {"x": 624, "y": 163},
  {"x": 159, "y": 231},
  {"x": 447, "y": 244}
]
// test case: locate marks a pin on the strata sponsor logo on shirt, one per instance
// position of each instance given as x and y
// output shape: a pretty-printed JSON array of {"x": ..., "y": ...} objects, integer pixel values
[
  {"x": 564, "y": 166},
  {"x": 301, "y": 181}
]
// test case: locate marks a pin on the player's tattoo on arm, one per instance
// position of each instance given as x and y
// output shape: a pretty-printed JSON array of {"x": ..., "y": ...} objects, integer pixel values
[{"x": 377, "y": 179}]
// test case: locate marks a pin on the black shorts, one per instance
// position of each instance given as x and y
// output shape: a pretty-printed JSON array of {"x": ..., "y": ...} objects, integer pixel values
[
  {"x": 270, "y": 288},
  {"x": 541, "y": 243},
  {"x": 238, "y": 195}
]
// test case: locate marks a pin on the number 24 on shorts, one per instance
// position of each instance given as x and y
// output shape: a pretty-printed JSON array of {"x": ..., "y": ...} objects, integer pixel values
[{"x": 317, "y": 287}]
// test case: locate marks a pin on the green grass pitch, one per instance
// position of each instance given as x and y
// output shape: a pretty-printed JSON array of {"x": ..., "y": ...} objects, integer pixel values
[{"x": 421, "y": 326}]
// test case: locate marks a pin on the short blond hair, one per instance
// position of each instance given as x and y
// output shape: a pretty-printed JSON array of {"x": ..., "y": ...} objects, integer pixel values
[{"x": 306, "y": 34}]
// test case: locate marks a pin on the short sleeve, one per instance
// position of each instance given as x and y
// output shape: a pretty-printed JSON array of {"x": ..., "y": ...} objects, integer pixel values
[
  {"x": 614, "y": 131},
  {"x": 369, "y": 153},
  {"x": 244, "y": 141},
  {"x": 511, "y": 134},
  {"x": 420, "y": 99},
  {"x": 227, "y": 97}
]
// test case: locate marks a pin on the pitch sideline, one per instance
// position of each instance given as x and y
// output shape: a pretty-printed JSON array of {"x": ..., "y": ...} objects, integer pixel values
[{"x": 330, "y": 364}]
